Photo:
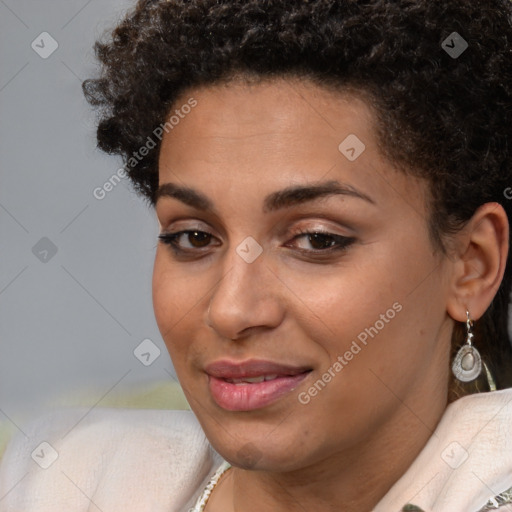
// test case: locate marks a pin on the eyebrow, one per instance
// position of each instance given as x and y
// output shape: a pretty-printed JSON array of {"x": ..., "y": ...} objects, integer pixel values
[{"x": 286, "y": 198}]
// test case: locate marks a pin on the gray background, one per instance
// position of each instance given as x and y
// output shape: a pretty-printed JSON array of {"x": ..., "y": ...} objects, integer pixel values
[{"x": 69, "y": 323}]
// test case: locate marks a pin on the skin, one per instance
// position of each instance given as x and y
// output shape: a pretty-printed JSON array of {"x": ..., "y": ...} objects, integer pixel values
[{"x": 345, "y": 448}]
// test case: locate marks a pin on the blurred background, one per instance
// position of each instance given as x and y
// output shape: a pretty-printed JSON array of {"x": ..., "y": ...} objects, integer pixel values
[{"x": 76, "y": 318}]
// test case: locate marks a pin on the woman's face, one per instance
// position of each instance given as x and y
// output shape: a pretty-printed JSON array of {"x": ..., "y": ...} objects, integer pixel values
[{"x": 304, "y": 265}]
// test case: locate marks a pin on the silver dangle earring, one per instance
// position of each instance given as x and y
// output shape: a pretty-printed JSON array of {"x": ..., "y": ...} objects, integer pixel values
[{"x": 467, "y": 364}]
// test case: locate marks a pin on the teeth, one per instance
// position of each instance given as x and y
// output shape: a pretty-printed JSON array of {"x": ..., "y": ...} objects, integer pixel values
[{"x": 253, "y": 380}]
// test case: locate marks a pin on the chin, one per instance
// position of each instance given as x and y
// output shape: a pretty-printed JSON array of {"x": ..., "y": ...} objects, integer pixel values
[{"x": 257, "y": 447}]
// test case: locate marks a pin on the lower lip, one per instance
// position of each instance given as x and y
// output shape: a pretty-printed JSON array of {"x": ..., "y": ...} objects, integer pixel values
[{"x": 251, "y": 396}]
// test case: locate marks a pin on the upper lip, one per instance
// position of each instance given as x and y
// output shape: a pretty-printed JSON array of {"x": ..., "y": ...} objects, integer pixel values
[{"x": 225, "y": 369}]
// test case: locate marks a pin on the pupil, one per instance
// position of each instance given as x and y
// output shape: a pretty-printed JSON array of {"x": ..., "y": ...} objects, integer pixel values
[
  {"x": 319, "y": 241},
  {"x": 199, "y": 239}
]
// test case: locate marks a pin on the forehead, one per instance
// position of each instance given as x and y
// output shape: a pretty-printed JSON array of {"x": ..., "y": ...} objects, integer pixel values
[
  {"x": 293, "y": 109},
  {"x": 272, "y": 134}
]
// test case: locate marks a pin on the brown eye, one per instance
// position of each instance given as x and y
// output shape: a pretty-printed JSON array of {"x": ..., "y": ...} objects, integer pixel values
[
  {"x": 321, "y": 242},
  {"x": 199, "y": 238},
  {"x": 187, "y": 240}
]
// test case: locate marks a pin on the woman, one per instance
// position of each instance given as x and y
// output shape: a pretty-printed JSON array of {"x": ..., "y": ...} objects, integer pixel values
[{"x": 330, "y": 179}]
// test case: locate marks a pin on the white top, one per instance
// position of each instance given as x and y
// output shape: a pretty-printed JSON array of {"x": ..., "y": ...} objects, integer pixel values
[{"x": 119, "y": 460}]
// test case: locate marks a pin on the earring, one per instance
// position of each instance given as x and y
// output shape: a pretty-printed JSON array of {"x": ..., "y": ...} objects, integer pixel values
[{"x": 467, "y": 364}]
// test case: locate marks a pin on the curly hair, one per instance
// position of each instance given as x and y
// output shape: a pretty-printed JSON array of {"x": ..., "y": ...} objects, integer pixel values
[{"x": 440, "y": 116}]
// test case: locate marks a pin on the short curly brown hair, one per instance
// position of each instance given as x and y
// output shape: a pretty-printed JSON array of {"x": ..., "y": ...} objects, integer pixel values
[{"x": 441, "y": 116}]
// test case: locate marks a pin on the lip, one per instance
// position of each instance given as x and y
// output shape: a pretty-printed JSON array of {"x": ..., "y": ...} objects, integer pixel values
[{"x": 251, "y": 396}]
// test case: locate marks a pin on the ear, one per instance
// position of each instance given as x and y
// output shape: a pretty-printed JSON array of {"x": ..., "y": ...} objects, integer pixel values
[{"x": 479, "y": 264}]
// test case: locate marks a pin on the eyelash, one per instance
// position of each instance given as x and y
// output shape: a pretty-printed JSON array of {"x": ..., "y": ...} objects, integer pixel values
[{"x": 341, "y": 242}]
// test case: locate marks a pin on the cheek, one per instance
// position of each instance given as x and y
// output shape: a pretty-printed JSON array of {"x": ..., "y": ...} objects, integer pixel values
[
  {"x": 163, "y": 295},
  {"x": 334, "y": 306},
  {"x": 179, "y": 302},
  {"x": 174, "y": 291},
  {"x": 376, "y": 317},
  {"x": 170, "y": 301}
]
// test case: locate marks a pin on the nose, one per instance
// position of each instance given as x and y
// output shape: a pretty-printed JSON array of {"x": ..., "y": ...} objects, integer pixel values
[{"x": 245, "y": 299}]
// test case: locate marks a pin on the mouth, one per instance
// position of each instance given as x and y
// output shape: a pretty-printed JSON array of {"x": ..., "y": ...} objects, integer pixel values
[{"x": 252, "y": 384}]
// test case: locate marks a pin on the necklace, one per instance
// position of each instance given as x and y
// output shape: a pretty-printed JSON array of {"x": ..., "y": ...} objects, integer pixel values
[
  {"x": 496, "y": 502},
  {"x": 214, "y": 480}
]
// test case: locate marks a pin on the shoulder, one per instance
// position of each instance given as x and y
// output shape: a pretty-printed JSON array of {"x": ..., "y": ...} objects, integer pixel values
[{"x": 112, "y": 459}]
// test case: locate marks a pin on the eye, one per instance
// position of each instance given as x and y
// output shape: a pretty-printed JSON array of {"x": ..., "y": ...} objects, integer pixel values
[
  {"x": 187, "y": 240},
  {"x": 314, "y": 242},
  {"x": 320, "y": 241}
]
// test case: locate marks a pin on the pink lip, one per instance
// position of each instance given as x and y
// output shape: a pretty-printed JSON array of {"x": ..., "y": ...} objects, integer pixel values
[{"x": 251, "y": 396}]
